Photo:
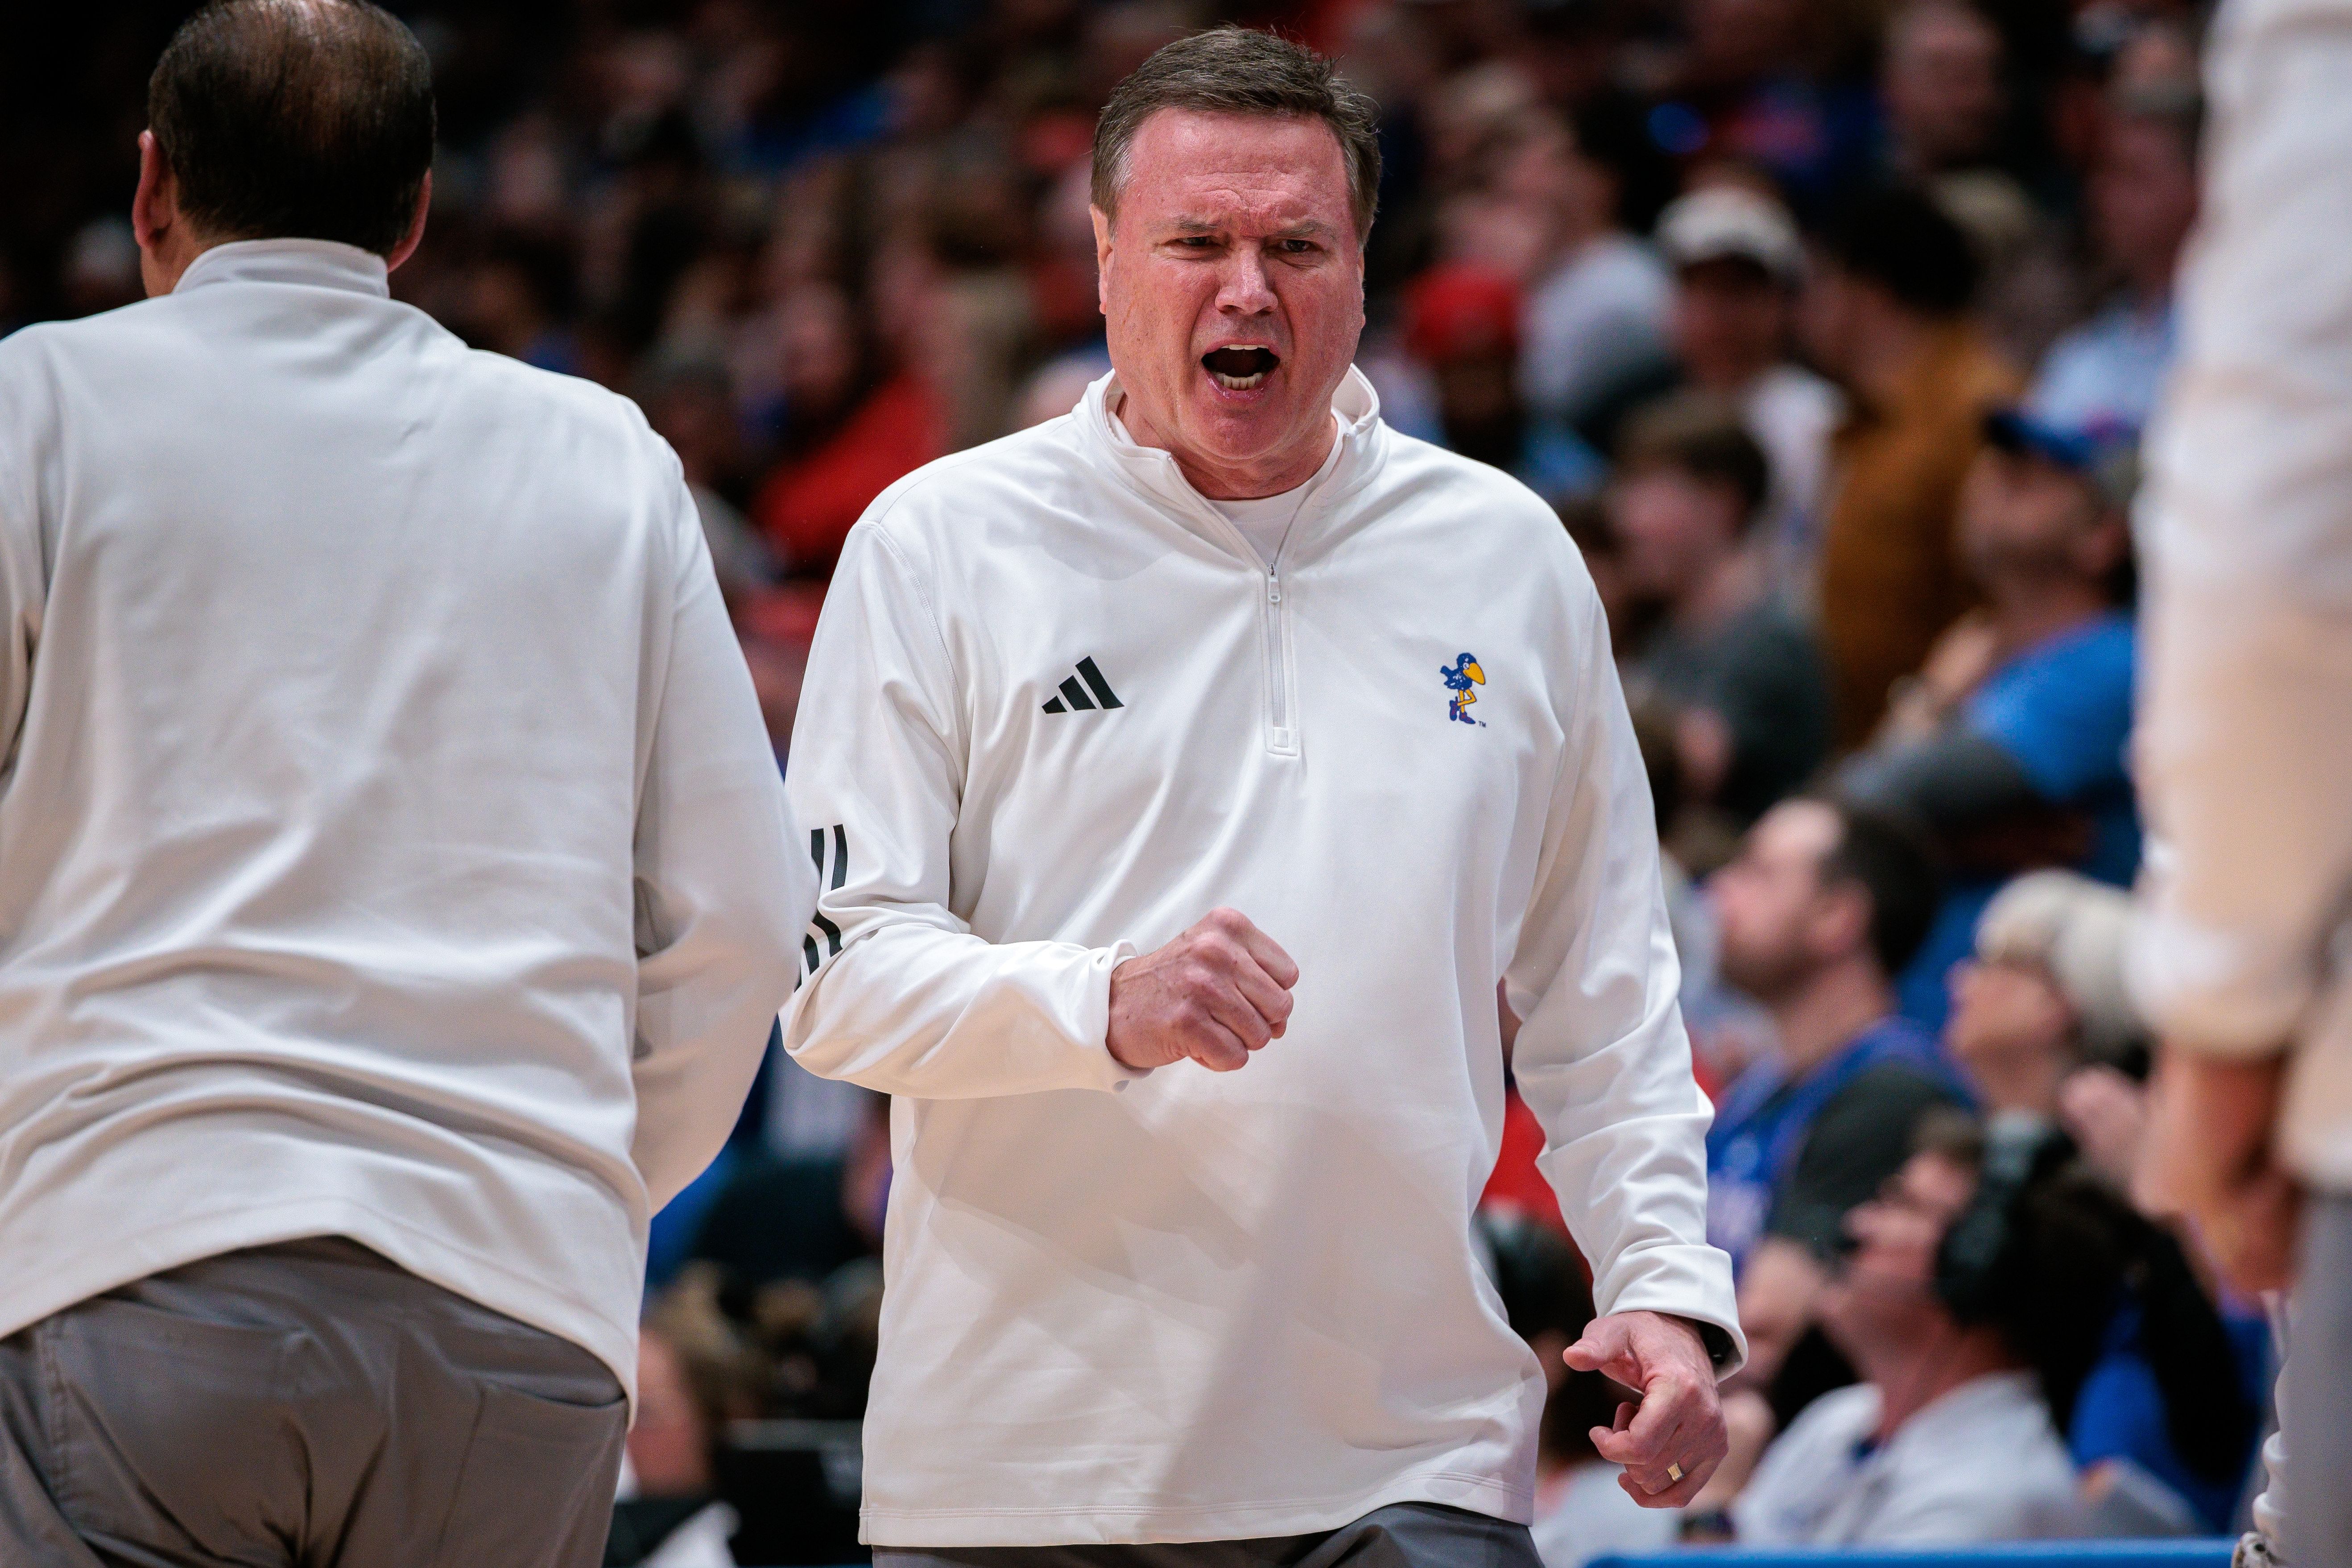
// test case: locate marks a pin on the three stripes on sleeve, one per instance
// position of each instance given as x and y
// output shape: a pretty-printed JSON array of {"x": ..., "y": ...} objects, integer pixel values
[
  {"x": 1084, "y": 692},
  {"x": 830, "y": 878}
]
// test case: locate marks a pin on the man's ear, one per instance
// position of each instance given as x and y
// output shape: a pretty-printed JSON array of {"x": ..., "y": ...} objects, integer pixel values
[
  {"x": 415, "y": 234},
  {"x": 1102, "y": 259},
  {"x": 155, "y": 205},
  {"x": 156, "y": 221},
  {"x": 1840, "y": 919}
]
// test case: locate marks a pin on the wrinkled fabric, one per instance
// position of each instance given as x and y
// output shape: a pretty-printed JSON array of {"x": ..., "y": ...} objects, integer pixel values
[
  {"x": 1181, "y": 1306},
  {"x": 390, "y": 846},
  {"x": 2245, "y": 750},
  {"x": 307, "y": 1403}
]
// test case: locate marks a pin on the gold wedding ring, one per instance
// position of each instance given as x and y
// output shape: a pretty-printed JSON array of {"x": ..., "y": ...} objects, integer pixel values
[{"x": 1673, "y": 1472}]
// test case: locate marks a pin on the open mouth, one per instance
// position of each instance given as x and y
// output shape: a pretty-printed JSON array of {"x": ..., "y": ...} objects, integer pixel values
[{"x": 1240, "y": 369}]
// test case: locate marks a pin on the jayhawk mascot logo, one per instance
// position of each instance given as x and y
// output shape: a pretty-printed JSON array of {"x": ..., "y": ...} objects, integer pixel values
[{"x": 1460, "y": 678}]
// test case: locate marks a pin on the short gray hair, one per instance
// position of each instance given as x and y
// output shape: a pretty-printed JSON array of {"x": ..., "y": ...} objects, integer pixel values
[{"x": 1239, "y": 70}]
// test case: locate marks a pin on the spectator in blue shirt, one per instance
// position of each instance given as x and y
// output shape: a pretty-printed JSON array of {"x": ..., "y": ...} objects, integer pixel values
[
  {"x": 1824, "y": 904},
  {"x": 2010, "y": 742}
]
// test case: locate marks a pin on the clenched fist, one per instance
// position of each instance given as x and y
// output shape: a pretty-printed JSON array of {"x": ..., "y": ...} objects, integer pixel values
[{"x": 1215, "y": 994}]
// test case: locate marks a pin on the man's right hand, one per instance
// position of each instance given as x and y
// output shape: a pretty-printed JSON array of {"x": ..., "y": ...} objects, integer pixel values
[
  {"x": 2208, "y": 1153},
  {"x": 1215, "y": 994}
]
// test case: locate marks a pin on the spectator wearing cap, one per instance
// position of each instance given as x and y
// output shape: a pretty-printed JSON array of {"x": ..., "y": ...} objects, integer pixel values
[
  {"x": 2010, "y": 743},
  {"x": 2044, "y": 1028},
  {"x": 1824, "y": 904},
  {"x": 2044, "y": 997},
  {"x": 1462, "y": 321},
  {"x": 1737, "y": 265},
  {"x": 1745, "y": 679},
  {"x": 2143, "y": 201},
  {"x": 1887, "y": 315}
]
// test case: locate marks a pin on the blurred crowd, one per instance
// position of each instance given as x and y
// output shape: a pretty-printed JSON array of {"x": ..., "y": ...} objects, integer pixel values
[{"x": 1830, "y": 327}]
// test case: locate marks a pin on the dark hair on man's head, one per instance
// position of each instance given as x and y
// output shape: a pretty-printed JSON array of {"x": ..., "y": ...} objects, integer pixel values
[
  {"x": 1240, "y": 70},
  {"x": 1703, "y": 438},
  {"x": 2055, "y": 1285},
  {"x": 1889, "y": 858},
  {"x": 1901, "y": 240},
  {"x": 2068, "y": 1252},
  {"x": 295, "y": 119}
]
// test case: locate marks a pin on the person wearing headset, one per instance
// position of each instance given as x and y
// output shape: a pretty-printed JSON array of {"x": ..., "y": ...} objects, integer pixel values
[{"x": 1973, "y": 1303}]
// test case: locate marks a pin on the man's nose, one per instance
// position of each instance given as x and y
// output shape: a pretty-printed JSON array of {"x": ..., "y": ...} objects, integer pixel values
[{"x": 1245, "y": 290}]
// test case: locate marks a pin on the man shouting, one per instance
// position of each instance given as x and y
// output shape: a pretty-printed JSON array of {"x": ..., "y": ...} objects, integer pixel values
[{"x": 1167, "y": 889}]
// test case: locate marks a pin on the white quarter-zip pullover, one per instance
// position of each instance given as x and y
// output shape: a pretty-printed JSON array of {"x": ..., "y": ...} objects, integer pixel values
[
  {"x": 390, "y": 846},
  {"x": 1058, "y": 710}
]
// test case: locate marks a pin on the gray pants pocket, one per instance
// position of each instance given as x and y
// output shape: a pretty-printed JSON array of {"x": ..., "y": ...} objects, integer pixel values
[
  {"x": 170, "y": 1433},
  {"x": 536, "y": 1489}
]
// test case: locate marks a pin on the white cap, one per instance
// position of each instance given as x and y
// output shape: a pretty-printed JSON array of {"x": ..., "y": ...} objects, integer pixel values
[
  {"x": 1719, "y": 221},
  {"x": 2077, "y": 930}
]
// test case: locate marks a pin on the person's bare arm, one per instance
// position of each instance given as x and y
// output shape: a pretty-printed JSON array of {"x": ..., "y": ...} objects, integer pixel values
[{"x": 2208, "y": 1156}]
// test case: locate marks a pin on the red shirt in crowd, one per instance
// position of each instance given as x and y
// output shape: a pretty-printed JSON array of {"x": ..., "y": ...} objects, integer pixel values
[{"x": 809, "y": 503}]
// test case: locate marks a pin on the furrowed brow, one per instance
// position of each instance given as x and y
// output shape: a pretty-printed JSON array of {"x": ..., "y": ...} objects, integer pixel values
[{"x": 1307, "y": 228}]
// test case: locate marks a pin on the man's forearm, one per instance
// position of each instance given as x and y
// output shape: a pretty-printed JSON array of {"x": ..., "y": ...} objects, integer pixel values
[
  {"x": 911, "y": 1009},
  {"x": 2208, "y": 1156}
]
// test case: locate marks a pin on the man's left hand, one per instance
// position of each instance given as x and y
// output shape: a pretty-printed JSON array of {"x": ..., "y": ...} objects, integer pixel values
[{"x": 1671, "y": 1443}]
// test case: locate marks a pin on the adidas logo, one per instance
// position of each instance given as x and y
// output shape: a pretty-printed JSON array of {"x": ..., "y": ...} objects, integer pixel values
[{"x": 1074, "y": 698}]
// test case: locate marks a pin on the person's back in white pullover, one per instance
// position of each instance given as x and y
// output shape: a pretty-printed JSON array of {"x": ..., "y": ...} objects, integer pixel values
[
  {"x": 1058, "y": 710},
  {"x": 390, "y": 848}
]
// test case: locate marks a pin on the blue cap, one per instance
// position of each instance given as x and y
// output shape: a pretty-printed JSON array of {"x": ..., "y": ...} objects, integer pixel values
[
  {"x": 2078, "y": 448},
  {"x": 2105, "y": 453}
]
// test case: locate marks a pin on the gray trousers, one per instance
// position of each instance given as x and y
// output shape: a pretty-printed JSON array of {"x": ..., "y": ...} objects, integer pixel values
[
  {"x": 304, "y": 1406},
  {"x": 1402, "y": 1535},
  {"x": 2315, "y": 1392}
]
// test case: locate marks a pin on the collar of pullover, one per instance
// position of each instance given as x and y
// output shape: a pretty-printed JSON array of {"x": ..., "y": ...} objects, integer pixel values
[
  {"x": 1153, "y": 471},
  {"x": 313, "y": 263}
]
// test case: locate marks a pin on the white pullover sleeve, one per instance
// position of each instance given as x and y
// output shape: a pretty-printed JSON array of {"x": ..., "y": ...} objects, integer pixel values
[
  {"x": 1601, "y": 1058},
  {"x": 2244, "y": 754},
  {"x": 904, "y": 998},
  {"x": 721, "y": 890}
]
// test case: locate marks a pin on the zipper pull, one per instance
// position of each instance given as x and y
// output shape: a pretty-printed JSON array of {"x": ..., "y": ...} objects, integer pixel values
[{"x": 1273, "y": 590}]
